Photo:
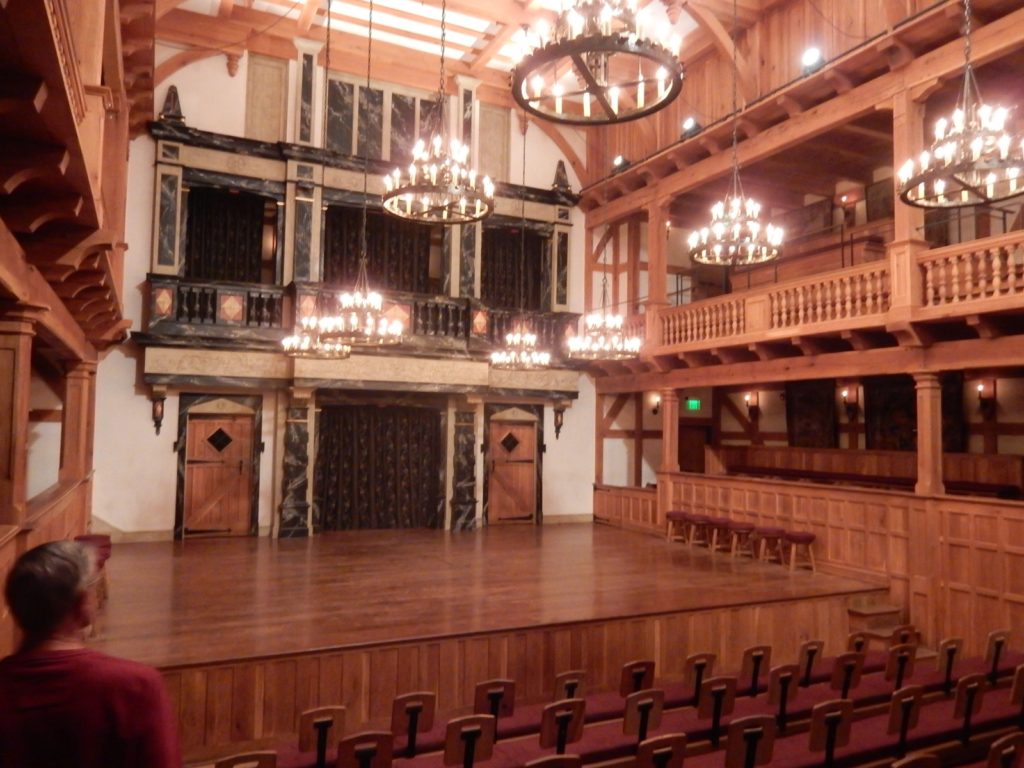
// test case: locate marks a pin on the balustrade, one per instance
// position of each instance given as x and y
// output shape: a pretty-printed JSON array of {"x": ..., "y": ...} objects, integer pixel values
[
  {"x": 981, "y": 269},
  {"x": 203, "y": 303},
  {"x": 850, "y": 293}
]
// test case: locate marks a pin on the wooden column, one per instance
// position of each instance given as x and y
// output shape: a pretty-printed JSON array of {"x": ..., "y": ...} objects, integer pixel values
[
  {"x": 599, "y": 438},
  {"x": 16, "y": 332},
  {"x": 908, "y": 234},
  {"x": 657, "y": 269},
  {"x": 78, "y": 424},
  {"x": 929, "y": 434},
  {"x": 669, "y": 431}
]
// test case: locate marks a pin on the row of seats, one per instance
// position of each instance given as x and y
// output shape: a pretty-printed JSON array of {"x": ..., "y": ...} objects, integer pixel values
[
  {"x": 701, "y": 705},
  {"x": 740, "y": 537}
]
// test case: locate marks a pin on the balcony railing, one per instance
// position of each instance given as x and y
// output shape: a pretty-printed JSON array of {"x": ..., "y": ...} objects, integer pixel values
[
  {"x": 849, "y": 293},
  {"x": 178, "y": 305},
  {"x": 981, "y": 269}
]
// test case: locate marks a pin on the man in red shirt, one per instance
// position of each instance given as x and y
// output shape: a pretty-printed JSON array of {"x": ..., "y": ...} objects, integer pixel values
[{"x": 63, "y": 705}]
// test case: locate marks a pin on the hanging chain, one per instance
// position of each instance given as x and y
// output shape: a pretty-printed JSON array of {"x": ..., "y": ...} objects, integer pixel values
[
  {"x": 967, "y": 32},
  {"x": 736, "y": 190},
  {"x": 970, "y": 84},
  {"x": 444, "y": 35},
  {"x": 363, "y": 256},
  {"x": 522, "y": 229}
]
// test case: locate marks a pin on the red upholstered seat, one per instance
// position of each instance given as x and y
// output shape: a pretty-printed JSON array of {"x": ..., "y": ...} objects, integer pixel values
[
  {"x": 769, "y": 531},
  {"x": 677, "y": 515},
  {"x": 799, "y": 537}
]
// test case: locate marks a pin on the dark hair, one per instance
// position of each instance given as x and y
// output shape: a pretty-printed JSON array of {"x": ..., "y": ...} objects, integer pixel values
[{"x": 46, "y": 583}]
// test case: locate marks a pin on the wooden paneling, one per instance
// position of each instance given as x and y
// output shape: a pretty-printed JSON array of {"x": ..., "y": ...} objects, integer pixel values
[
  {"x": 633, "y": 508},
  {"x": 261, "y": 699}
]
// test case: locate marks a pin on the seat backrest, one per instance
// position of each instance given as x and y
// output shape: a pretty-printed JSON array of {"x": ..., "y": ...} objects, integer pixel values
[
  {"x": 458, "y": 733},
  {"x": 951, "y": 647},
  {"x": 900, "y": 654},
  {"x": 636, "y": 676},
  {"x": 905, "y": 704},
  {"x": 838, "y": 712},
  {"x": 248, "y": 760},
  {"x": 698, "y": 663},
  {"x": 503, "y": 691},
  {"x": 809, "y": 657},
  {"x": 921, "y": 760},
  {"x": 311, "y": 720},
  {"x": 964, "y": 687},
  {"x": 1017, "y": 691},
  {"x": 570, "y": 684},
  {"x": 665, "y": 751},
  {"x": 745, "y": 732},
  {"x": 756, "y": 661},
  {"x": 783, "y": 682},
  {"x": 857, "y": 641},
  {"x": 370, "y": 749},
  {"x": 556, "y": 761},
  {"x": 998, "y": 642},
  {"x": 424, "y": 703},
  {"x": 553, "y": 713},
  {"x": 904, "y": 634},
  {"x": 721, "y": 687},
  {"x": 1007, "y": 752},
  {"x": 852, "y": 661},
  {"x": 653, "y": 700}
]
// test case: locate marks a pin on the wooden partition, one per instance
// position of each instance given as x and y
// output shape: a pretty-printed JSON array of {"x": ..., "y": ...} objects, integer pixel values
[
  {"x": 634, "y": 508},
  {"x": 8, "y": 553},
  {"x": 955, "y": 564}
]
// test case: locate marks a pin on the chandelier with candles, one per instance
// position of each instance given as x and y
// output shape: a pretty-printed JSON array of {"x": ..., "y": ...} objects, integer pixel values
[
  {"x": 439, "y": 186},
  {"x": 736, "y": 236},
  {"x": 604, "y": 61},
  {"x": 974, "y": 159},
  {"x": 603, "y": 337}
]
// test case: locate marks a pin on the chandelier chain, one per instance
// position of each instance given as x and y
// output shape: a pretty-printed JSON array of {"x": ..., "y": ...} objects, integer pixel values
[
  {"x": 444, "y": 36},
  {"x": 522, "y": 224},
  {"x": 363, "y": 279},
  {"x": 736, "y": 186}
]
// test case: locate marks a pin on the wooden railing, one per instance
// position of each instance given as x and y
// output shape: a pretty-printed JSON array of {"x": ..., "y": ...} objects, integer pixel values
[
  {"x": 710, "y": 320},
  {"x": 950, "y": 562},
  {"x": 635, "y": 326},
  {"x": 551, "y": 327},
  {"x": 627, "y": 507},
  {"x": 227, "y": 305},
  {"x": 980, "y": 269},
  {"x": 848, "y": 293}
]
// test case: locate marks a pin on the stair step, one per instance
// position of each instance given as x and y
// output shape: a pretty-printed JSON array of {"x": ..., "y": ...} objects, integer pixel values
[
  {"x": 870, "y": 617},
  {"x": 873, "y": 610}
]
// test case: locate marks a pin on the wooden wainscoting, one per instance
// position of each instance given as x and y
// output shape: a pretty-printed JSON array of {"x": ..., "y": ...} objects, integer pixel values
[
  {"x": 261, "y": 698},
  {"x": 626, "y": 507},
  {"x": 955, "y": 564}
]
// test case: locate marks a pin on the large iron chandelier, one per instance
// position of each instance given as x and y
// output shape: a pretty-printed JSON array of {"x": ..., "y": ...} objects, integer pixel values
[
  {"x": 602, "y": 337},
  {"x": 974, "y": 159},
  {"x": 736, "y": 236},
  {"x": 521, "y": 352},
  {"x": 604, "y": 62},
  {"x": 313, "y": 338},
  {"x": 439, "y": 187}
]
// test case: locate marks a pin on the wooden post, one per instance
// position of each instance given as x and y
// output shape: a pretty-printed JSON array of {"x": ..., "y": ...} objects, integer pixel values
[
  {"x": 78, "y": 425},
  {"x": 657, "y": 269},
  {"x": 599, "y": 439},
  {"x": 908, "y": 234},
  {"x": 669, "y": 431},
  {"x": 638, "y": 439},
  {"x": 16, "y": 333},
  {"x": 929, "y": 435}
]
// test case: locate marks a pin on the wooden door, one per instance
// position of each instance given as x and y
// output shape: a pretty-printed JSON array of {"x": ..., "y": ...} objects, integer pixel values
[
  {"x": 512, "y": 477},
  {"x": 218, "y": 475},
  {"x": 692, "y": 441}
]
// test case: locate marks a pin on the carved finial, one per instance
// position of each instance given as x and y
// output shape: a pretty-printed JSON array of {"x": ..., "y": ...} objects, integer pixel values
[
  {"x": 171, "y": 111},
  {"x": 561, "y": 182},
  {"x": 233, "y": 59}
]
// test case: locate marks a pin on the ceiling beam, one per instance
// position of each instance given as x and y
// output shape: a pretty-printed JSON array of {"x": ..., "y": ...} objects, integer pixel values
[
  {"x": 707, "y": 20},
  {"x": 308, "y": 14}
]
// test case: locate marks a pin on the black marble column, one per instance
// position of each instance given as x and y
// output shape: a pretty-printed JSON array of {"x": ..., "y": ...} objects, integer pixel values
[
  {"x": 339, "y": 117},
  {"x": 302, "y": 250},
  {"x": 306, "y": 99},
  {"x": 371, "y": 123},
  {"x": 446, "y": 263},
  {"x": 403, "y": 128},
  {"x": 295, "y": 482},
  {"x": 562, "y": 269},
  {"x": 464, "y": 472},
  {"x": 167, "y": 220}
]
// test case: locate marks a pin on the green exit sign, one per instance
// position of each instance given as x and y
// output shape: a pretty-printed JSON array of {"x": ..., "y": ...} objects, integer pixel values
[{"x": 692, "y": 404}]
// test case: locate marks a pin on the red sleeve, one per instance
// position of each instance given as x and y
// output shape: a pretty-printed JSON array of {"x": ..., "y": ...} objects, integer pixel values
[{"x": 157, "y": 732}]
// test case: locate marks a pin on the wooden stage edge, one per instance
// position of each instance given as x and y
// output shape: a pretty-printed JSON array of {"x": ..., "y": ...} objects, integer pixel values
[{"x": 570, "y": 597}]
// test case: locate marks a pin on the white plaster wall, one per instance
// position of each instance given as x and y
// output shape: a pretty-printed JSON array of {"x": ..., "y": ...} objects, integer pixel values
[
  {"x": 43, "y": 464},
  {"x": 211, "y": 99},
  {"x": 542, "y": 155},
  {"x": 569, "y": 460}
]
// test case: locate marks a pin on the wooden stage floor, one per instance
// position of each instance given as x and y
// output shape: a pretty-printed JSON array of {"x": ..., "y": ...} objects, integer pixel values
[{"x": 212, "y": 600}]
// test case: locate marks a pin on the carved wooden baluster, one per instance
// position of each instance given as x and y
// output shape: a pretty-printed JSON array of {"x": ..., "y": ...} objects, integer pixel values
[
  {"x": 844, "y": 297},
  {"x": 957, "y": 283},
  {"x": 995, "y": 264},
  {"x": 741, "y": 309},
  {"x": 930, "y": 299},
  {"x": 1012, "y": 278}
]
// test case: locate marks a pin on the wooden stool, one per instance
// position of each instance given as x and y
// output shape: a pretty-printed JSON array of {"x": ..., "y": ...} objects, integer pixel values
[
  {"x": 769, "y": 543},
  {"x": 742, "y": 535},
  {"x": 797, "y": 539},
  {"x": 676, "y": 523},
  {"x": 699, "y": 530},
  {"x": 721, "y": 538}
]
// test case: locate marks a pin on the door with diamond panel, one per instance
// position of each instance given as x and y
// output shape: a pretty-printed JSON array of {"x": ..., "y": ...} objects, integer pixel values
[
  {"x": 218, "y": 475},
  {"x": 512, "y": 473}
]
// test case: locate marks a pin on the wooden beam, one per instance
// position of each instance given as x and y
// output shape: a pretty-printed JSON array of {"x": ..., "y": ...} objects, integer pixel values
[
  {"x": 706, "y": 18},
  {"x": 226, "y": 6},
  {"x": 179, "y": 61},
  {"x": 307, "y": 15}
]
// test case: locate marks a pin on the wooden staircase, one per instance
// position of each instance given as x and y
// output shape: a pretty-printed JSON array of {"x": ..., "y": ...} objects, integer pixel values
[{"x": 882, "y": 623}]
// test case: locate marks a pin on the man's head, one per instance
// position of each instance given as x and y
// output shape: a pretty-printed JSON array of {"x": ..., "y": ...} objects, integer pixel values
[{"x": 47, "y": 589}]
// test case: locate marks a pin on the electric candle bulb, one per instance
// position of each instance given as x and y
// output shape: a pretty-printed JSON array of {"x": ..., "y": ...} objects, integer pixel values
[{"x": 613, "y": 95}]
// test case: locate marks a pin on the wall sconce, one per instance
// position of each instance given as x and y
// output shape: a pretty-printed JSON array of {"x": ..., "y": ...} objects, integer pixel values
[
  {"x": 559, "y": 412},
  {"x": 987, "y": 396},
  {"x": 751, "y": 401},
  {"x": 157, "y": 399},
  {"x": 656, "y": 405},
  {"x": 691, "y": 127},
  {"x": 849, "y": 395}
]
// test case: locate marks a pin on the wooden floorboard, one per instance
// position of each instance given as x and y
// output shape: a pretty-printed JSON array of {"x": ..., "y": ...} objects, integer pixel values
[{"x": 208, "y": 601}]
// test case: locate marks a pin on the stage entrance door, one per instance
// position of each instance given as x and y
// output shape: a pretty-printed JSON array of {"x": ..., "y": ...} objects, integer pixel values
[
  {"x": 218, "y": 475},
  {"x": 512, "y": 471}
]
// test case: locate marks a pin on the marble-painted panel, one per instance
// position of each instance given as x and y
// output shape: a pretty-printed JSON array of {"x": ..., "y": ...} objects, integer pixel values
[
  {"x": 371, "y": 123},
  {"x": 464, "y": 472},
  {"x": 306, "y": 99},
  {"x": 467, "y": 116},
  {"x": 446, "y": 262},
  {"x": 403, "y": 128},
  {"x": 167, "y": 219},
  {"x": 467, "y": 262},
  {"x": 295, "y": 482},
  {"x": 562, "y": 269},
  {"x": 303, "y": 236},
  {"x": 429, "y": 118},
  {"x": 339, "y": 117}
]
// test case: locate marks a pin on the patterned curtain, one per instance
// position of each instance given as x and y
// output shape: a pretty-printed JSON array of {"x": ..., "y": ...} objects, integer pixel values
[
  {"x": 501, "y": 278},
  {"x": 224, "y": 235},
  {"x": 811, "y": 414},
  {"x": 378, "y": 467},
  {"x": 398, "y": 251}
]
